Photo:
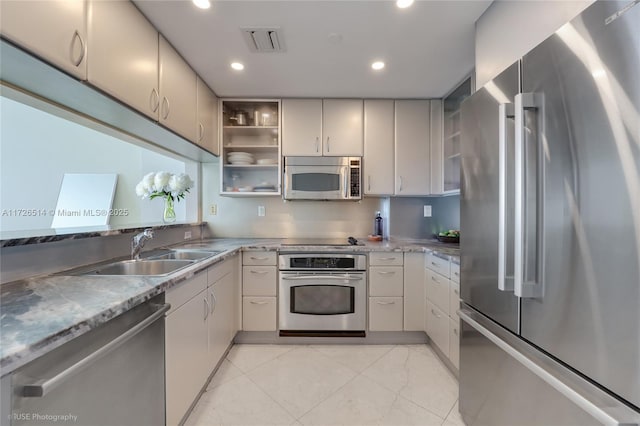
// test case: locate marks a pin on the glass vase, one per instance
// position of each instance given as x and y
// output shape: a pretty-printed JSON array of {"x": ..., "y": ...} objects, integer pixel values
[{"x": 169, "y": 215}]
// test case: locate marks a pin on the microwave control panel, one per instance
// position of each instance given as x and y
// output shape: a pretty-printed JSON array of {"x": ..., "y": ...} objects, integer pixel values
[{"x": 354, "y": 179}]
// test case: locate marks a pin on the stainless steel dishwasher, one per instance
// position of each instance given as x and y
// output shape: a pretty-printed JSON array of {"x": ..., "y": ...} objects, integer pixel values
[{"x": 113, "y": 375}]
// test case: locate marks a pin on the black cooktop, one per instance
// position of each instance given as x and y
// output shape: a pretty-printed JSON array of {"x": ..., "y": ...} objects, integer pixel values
[{"x": 316, "y": 242}]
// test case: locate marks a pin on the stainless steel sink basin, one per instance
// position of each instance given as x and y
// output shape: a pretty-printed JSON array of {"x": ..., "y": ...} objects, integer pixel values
[
  {"x": 185, "y": 254},
  {"x": 140, "y": 267}
]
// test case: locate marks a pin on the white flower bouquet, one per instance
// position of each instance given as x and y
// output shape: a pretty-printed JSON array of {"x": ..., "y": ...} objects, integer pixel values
[{"x": 165, "y": 185}]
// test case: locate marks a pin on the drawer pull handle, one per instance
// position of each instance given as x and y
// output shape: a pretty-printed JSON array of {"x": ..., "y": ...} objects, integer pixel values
[
  {"x": 259, "y": 272},
  {"x": 386, "y": 303},
  {"x": 387, "y": 258},
  {"x": 455, "y": 331},
  {"x": 434, "y": 263},
  {"x": 386, "y": 272},
  {"x": 456, "y": 292},
  {"x": 258, "y": 303},
  {"x": 435, "y": 314},
  {"x": 434, "y": 279},
  {"x": 259, "y": 258}
]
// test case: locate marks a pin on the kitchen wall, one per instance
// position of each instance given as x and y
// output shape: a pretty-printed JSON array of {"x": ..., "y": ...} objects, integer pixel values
[
  {"x": 509, "y": 29},
  {"x": 407, "y": 216},
  {"x": 238, "y": 217}
]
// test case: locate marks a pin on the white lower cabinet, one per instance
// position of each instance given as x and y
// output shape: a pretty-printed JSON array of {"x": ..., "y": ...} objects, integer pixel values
[
  {"x": 442, "y": 288},
  {"x": 199, "y": 327},
  {"x": 414, "y": 291},
  {"x": 438, "y": 327},
  {"x": 386, "y": 281},
  {"x": 186, "y": 345},
  {"x": 385, "y": 313},
  {"x": 259, "y": 289}
]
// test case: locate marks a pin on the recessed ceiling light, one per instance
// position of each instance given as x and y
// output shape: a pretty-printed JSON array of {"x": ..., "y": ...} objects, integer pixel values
[
  {"x": 202, "y": 4},
  {"x": 402, "y": 4},
  {"x": 377, "y": 65},
  {"x": 237, "y": 66}
]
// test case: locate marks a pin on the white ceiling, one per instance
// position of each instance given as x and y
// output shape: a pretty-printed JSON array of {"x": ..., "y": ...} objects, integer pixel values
[{"x": 428, "y": 48}]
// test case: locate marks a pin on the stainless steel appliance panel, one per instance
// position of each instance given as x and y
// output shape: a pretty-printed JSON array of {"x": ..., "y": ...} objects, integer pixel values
[
  {"x": 322, "y": 178},
  {"x": 586, "y": 93},
  {"x": 113, "y": 375},
  {"x": 505, "y": 381},
  {"x": 479, "y": 203}
]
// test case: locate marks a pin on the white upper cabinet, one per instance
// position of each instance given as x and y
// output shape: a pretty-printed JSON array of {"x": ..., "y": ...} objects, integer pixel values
[
  {"x": 378, "y": 147},
  {"x": 412, "y": 148},
  {"x": 124, "y": 55},
  {"x": 54, "y": 30},
  {"x": 342, "y": 127},
  {"x": 207, "y": 125},
  {"x": 316, "y": 127},
  {"x": 302, "y": 127},
  {"x": 177, "y": 92}
]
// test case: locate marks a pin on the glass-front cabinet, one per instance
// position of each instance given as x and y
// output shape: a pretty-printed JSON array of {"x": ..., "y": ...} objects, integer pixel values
[
  {"x": 250, "y": 138},
  {"x": 451, "y": 135}
]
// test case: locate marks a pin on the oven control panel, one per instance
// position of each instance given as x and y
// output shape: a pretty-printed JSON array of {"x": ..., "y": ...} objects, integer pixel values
[{"x": 336, "y": 262}]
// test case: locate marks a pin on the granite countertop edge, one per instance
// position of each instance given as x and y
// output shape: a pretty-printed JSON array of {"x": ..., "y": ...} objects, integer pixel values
[{"x": 42, "y": 313}]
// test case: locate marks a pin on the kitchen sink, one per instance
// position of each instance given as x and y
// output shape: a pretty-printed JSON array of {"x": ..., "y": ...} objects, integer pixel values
[
  {"x": 140, "y": 267},
  {"x": 184, "y": 254}
]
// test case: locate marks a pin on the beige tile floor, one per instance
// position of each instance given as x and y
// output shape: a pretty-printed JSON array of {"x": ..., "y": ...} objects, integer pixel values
[{"x": 330, "y": 385}]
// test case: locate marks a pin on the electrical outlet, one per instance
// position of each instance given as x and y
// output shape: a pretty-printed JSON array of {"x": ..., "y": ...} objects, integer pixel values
[
  {"x": 213, "y": 209},
  {"x": 261, "y": 211},
  {"x": 427, "y": 211},
  {"x": 187, "y": 235}
]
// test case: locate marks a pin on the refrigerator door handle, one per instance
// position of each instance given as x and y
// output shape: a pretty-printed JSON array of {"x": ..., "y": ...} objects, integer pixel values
[
  {"x": 505, "y": 112},
  {"x": 527, "y": 223}
]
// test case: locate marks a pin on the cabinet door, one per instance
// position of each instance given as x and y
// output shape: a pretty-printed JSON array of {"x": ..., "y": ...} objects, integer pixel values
[
  {"x": 414, "y": 293},
  {"x": 438, "y": 327},
  {"x": 187, "y": 367},
  {"x": 378, "y": 147},
  {"x": 220, "y": 319},
  {"x": 259, "y": 280},
  {"x": 54, "y": 30},
  {"x": 412, "y": 150},
  {"x": 342, "y": 127},
  {"x": 454, "y": 342},
  {"x": 302, "y": 127},
  {"x": 386, "y": 281},
  {"x": 124, "y": 55},
  {"x": 385, "y": 313},
  {"x": 207, "y": 126},
  {"x": 177, "y": 92},
  {"x": 259, "y": 313}
]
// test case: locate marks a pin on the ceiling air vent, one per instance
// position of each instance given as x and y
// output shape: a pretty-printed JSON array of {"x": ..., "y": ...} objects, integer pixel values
[{"x": 264, "y": 39}]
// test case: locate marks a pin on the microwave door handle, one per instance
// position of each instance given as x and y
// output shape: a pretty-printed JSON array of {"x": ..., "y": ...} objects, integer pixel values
[{"x": 345, "y": 182}]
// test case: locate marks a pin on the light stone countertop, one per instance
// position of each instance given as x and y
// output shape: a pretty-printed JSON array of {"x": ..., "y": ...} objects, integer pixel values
[{"x": 39, "y": 314}]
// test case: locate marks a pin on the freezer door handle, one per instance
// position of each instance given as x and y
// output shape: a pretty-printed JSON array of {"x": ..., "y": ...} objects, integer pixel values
[
  {"x": 505, "y": 112},
  {"x": 529, "y": 187}
]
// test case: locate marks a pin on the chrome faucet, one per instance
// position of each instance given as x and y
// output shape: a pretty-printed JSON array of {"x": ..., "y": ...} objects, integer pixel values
[{"x": 137, "y": 242}]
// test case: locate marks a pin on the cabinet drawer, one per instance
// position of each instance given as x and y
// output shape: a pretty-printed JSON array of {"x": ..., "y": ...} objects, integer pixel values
[
  {"x": 385, "y": 259},
  {"x": 385, "y": 313},
  {"x": 386, "y": 281},
  {"x": 259, "y": 258},
  {"x": 438, "y": 291},
  {"x": 183, "y": 292},
  {"x": 259, "y": 280},
  {"x": 454, "y": 342},
  {"x": 438, "y": 264},
  {"x": 259, "y": 313},
  {"x": 455, "y": 271},
  {"x": 438, "y": 327}
]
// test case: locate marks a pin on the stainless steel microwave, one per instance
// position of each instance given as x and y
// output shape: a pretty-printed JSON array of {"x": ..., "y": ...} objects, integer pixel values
[{"x": 322, "y": 178}]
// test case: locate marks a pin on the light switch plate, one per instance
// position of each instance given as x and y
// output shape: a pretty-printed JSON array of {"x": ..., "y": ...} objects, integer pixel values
[
  {"x": 261, "y": 211},
  {"x": 427, "y": 211},
  {"x": 187, "y": 235}
]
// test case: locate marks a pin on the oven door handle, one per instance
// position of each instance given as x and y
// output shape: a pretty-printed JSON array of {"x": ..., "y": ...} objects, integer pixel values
[{"x": 323, "y": 277}]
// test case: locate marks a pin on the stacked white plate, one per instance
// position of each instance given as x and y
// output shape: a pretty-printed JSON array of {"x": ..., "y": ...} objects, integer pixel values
[
  {"x": 240, "y": 158},
  {"x": 267, "y": 161}
]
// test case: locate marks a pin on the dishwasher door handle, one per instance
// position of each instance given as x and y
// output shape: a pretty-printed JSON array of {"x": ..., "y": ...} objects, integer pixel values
[{"x": 45, "y": 386}]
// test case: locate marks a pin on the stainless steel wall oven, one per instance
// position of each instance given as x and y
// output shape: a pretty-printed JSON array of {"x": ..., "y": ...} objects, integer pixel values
[{"x": 323, "y": 294}]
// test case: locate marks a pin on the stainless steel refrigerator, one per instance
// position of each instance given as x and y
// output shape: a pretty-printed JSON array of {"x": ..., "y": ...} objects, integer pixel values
[{"x": 550, "y": 221}]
